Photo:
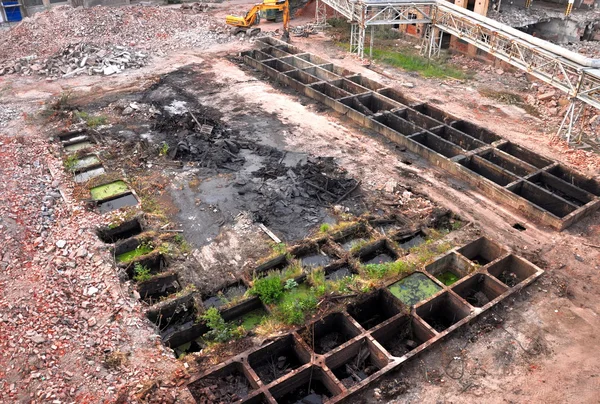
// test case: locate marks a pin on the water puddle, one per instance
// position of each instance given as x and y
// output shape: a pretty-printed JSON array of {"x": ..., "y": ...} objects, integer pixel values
[
  {"x": 447, "y": 278},
  {"x": 117, "y": 203},
  {"x": 350, "y": 244},
  {"x": 86, "y": 161},
  {"x": 414, "y": 288},
  {"x": 250, "y": 320},
  {"x": 108, "y": 190},
  {"x": 315, "y": 260},
  {"x": 88, "y": 175},
  {"x": 338, "y": 274},
  {"x": 381, "y": 258},
  {"x": 411, "y": 242},
  {"x": 78, "y": 146}
]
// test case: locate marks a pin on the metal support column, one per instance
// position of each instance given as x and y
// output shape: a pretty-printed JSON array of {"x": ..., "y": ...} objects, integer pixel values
[
  {"x": 320, "y": 14},
  {"x": 357, "y": 40},
  {"x": 570, "y": 120},
  {"x": 371, "y": 44}
]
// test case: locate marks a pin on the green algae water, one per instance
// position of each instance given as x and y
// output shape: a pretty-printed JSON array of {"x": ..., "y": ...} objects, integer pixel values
[
  {"x": 447, "y": 278},
  {"x": 130, "y": 255},
  {"x": 414, "y": 288},
  {"x": 108, "y": 190},
  {"x": 252, "y": 319}
]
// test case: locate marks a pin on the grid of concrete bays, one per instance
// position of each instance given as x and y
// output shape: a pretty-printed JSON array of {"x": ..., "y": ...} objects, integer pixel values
[
  {"x": 537, "y": 186},
  {"x": 373, "y": 335}
]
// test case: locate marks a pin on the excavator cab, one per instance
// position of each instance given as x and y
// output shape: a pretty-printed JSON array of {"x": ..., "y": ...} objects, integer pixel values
[{"x": 270, "y": 9}]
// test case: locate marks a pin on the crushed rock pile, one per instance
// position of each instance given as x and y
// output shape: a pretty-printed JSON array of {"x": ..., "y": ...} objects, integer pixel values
[
  {"x": 147, "y": 29},
  {"x": 78, "y": 59}
]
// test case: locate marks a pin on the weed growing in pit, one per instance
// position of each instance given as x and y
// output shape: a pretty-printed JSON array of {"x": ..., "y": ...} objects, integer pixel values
[
  {"x": 220, "y": 331},
  {"x": 278, "y": 248},
  {"x": 293, "y": 270},
  {"x": 290, "y": 284},
  {"x": 184, "y": 246},
  {"x": 347, "y": 284},
  {"x": 295, "y": 305},
  {"x": 141, "y": 272},
  {"x": 324, "y": 228},
  {"x": 358, "y": 245},
  {"x": 91, "y": 120},
  {"x": 443, "y": 247},
  {"x": 456, "y": 224},
  {"x": 69, "y": 162},
  {"x": 423, "y": 252},
  {"x": 164, "y": 149},
  {"x": 380, "y": 271},
  {"x": 269, "y": 289}
]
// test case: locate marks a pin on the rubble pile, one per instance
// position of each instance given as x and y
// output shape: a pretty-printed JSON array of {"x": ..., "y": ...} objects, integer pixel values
[
  {"x": 76, "y": 59},
  {"x": 147, "y": 29}
]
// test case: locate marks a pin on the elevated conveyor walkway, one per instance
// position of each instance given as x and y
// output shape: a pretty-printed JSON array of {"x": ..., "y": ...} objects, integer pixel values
[{"x": 569, "y": 72}]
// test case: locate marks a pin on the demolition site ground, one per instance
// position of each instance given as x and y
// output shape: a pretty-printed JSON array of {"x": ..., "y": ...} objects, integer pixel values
[{"x": 251, "y": 222}]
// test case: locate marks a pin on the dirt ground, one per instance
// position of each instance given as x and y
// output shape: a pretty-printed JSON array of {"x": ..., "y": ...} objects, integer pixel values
[{"x": 65, "y": 318}]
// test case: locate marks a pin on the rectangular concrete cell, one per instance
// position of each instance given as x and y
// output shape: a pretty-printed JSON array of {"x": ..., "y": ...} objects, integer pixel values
[
  {"x": 479, "y": 289},
  {"x": 402, "y": 335},
  {"x": 560, "y": 188},
  {"x": 321, "y": 74},
  {"x": 488, "y": 170},
  {"x": 366, "y": 82},
  {"x": 376, "y": 103},
  {"x": 279, "y": 65},
  {"x": 174, "y": 337},
  {"x": 505, "y": 161},
  {"x": 377, "y": 253},
  {"x": 543, "y": 199},
  {"x": 349, "y": 86},
  {"x": 117, "y": 202},
  {"x": 527, "y": 156},
  {"x": 220, "y": 385},
  {"x": 257, "y": 55},
  {"x": 476, "y": 131},
  {"x": 337, "y": 70},
  {"x": 278, "y": 358},
  {"x": 158, "y": 287},
  {"x": 309, "y": 57},
  {"x": 400, "y": 125},
  {"x": 512, "y": 270},
  {"x": 359, "y": 360},
  {"x": 482, "y": 251},
  {"x": 297, "y": 62},
  {"x": 420, "y": 119},
  {"x": 295, "y": 389},
  {"x": 274, "y": 264},
  {"x": 443, "y": 311},
  {"x": 329, "y": 90},
  {"x": 375, "y": 309},
  {"x": 274, "y": 52},
  {"x": 302, "y": 76},
  {"x": 180, "y": 306},
  {"x": 452, "y": 263},
  {"x": 328, "y": 333},
  {"x": 435, "y": 113},
  {"x": 437, "y": 144},
  {"x": 573, "y": 178},
  {"x": 123, "y": 231},
  {"x": 458, "y": 138}
]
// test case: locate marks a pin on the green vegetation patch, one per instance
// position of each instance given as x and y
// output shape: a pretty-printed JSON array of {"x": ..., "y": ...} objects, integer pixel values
[
  {"x": 269, "y": 289},
  {"x": 388, "y": 269},
  {"x": 410, "y": 61},
  {"x": 108, "y": 190}
]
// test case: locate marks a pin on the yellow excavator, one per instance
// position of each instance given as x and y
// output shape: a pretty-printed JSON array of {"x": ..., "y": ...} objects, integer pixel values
[{"x": 252, "y": 17}]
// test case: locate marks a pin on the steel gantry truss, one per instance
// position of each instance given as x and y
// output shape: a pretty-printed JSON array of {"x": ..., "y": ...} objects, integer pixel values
[{"x": 575, "y": 75}]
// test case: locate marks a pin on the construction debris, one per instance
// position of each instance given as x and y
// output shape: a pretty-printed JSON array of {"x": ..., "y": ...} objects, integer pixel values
[{"x": 78, "y": 59}]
